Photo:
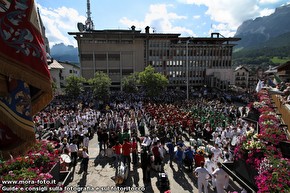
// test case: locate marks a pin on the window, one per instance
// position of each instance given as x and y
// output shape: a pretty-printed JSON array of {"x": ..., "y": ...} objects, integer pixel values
[
  {"x": 114, "y": 71},
  {"x": 127, "y": 71},
  {"x": 114, "y": 57},
  {"x": 100, "y": 57},
  {"x": 87, "y": 57}
]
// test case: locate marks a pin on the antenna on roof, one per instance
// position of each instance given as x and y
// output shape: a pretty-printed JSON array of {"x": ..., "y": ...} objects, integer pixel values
[
  {"x": 89, "y": 22},
  {"x": 89, "y": 25}
]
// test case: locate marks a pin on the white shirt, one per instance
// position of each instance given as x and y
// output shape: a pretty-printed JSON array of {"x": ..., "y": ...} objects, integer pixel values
[
  {"x": 210, "y": 166},
  {"x": 202, "y": 173},
  {"x": 220, "y": 175},
  {"x": 86, "y": 141},
  {"x": 147, "y": 141},
  {"x": 73, "y": 147},
  {"x": 216, "y": 153}
]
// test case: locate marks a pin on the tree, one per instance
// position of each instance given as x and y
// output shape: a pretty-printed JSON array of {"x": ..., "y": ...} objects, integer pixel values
[
  {"x": 74, "y": 85},
  {"x": 54, "y": 87},
  {"x": 101, "y": 85},
  {"x": 130, "y": 83},
  {"x": 153, "y": 83}
]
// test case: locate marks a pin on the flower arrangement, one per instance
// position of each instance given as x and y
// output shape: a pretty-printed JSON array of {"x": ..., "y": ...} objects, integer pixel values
[
  {"x": 32, "y": 168},
  {"x": 274, "y": 175},
  {"x": 261, "y": 152}
]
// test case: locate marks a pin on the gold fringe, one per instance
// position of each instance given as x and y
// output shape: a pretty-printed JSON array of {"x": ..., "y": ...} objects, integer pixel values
[
  {"x": 17, "y": 151},
  {"x": 24, "y": 133},
  {"x": 14, "y": 69},
  {"x": 41, "y": 102}
]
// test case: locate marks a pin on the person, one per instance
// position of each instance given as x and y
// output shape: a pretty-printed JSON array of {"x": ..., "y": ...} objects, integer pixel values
[
  {"x": 147, "y": 142},
  {"x": 157, "y": 157},
  {"x": 202, "y": 176},
  {"x": 105, "y": 138},
  {"x": 117, "y": 149},
  {"x": 227, "y": 160},
  {"x": 217, "y": 153},
  {"x": 142, "y": 127},
  {"x": 86, "y": 140},
  {"x": 145, "y": 165},
  {"x": 198, "y": 158},
  {"x": 85, "y": 160},
  {"x": 73, "y": 152},
  {"x": 170, "y": 146},
  {"x": 221, "y": 178},
  {"x": 126, "y": 150},
  {"x": 210, "y": 166},
  {"x": 134, "y": 151},
  {"x": 64, "y": 145},
  {"x": 179, "y": 157},
  {"x": 65, "y": 160},
  {"x": 188, "y": 160}
]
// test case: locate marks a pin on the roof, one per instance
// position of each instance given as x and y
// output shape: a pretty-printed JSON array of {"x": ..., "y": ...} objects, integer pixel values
[
  {"x": 285, "y": 65},
  {"x": 55, "y": 65},
  {"x": 70, "y": 64},
  {"x": 240, "y": 67},
  {"x": 215, "y": 37},
  {"x": 271, "y": 70}
]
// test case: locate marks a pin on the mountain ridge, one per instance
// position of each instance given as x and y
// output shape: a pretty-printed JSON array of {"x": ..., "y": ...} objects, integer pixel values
[
  {"x": 64, "y": 53},
  {"x": 262, "y": 29}
]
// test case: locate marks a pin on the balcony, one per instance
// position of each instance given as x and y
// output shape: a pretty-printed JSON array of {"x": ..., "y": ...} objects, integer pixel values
[{"x": 284, "y": 110}]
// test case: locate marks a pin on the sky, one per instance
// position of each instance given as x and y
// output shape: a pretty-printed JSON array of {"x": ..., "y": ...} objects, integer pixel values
[{"x": 190, "y": 18}]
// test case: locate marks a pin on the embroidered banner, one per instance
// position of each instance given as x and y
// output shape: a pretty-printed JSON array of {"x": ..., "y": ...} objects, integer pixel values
[{"x": 25, "y": 84}]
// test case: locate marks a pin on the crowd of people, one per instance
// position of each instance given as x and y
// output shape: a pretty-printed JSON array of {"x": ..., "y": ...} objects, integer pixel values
[{"x": 199, "y": 133}]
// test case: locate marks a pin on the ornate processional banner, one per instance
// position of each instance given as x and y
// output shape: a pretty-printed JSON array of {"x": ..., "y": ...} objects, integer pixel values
[{"x": 25, "y": 83}]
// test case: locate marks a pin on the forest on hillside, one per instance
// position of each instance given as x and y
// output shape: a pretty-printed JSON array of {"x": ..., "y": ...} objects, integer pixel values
[{"x": 265, "y": 53}]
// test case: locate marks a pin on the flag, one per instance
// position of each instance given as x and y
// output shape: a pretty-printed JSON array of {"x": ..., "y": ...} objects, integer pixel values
[
  {"x": 277, "y": 80},
  {"x": 259, "y": 86},
  {"x": 24, "y": 76},
  {"x": 271, "y": 83}
]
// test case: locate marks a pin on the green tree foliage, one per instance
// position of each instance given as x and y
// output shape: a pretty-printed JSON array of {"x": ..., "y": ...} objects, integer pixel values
[
  {"x": 74, "y": 86},
  {"x": 264, "y": 53},
  {"x": 130, "y": 83},
  {"x": 53, "y": 86},
  {"x": 101, "y": 85},
  {"x": 153, "y": 83}
]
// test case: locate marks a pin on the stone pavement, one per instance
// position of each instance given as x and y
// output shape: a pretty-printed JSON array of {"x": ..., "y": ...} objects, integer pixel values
[{"x": 101, "y": 174}]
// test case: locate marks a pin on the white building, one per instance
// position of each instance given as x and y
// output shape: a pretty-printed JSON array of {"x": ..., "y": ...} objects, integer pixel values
[
  {"x": 242, "y": 74},
  {"x": 68, "y": 70},
  {"x": 59, "y": 71},
  {"x": 55, "y": 69}
]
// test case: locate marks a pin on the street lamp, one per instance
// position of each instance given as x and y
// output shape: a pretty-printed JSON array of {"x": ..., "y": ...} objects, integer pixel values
[{"x": 187, "y": 78}]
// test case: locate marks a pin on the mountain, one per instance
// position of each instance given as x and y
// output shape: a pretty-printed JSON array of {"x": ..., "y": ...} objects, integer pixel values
[
  {"x": 64, "y": 53},
  {"x": 263, "y": 29}
]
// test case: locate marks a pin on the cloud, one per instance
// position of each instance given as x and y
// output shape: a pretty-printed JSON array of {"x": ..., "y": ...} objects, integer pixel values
[
  {"x": 228, "y": 15},
  {"x": 196, "y": 17},
  {"x": 160, "y": 20},
  {"x": 58, "y": 22},
  {"x": 266, "y": 12},
  {"x": 268, "y": 1}
]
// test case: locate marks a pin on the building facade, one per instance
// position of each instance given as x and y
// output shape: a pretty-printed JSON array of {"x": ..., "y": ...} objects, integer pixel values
[
  {"x": 283, "y": 71},
  {"x": 69, "y": 69},
  {"x": 55, "y": 69},
  {"x": 242, "y": 75},
  {"x": 59, "y": 71},
  {"x": 196, "y": 61}
]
